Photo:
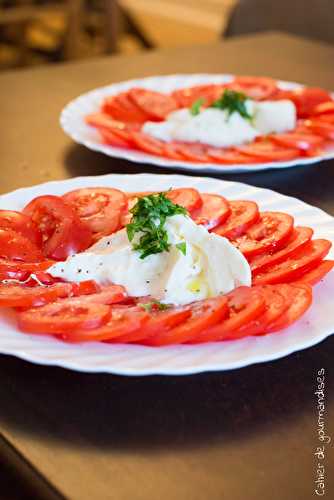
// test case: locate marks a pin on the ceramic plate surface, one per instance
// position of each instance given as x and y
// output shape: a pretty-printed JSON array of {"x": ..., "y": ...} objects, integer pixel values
[
  {"x": 72, "y": 122},
  {"x": 124, "y": 359}
]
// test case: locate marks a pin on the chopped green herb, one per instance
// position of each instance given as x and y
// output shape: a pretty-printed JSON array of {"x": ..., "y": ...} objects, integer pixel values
[
  {"x": 196, "y": 106},
  {"x": 154, "y": 304},
  {"x": 148, "y": 220},
  {"x": 232, "y": 102},
  {"x": 182, "y": 247}
]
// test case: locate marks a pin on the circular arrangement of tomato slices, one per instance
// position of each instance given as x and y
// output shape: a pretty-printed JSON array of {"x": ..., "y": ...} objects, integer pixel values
[
  {"x": 121, "y": 117},
  {"x": 285, "y": 261}
]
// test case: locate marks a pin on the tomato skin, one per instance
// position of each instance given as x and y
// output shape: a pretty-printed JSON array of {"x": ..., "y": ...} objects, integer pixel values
[
  {"x": 204, "y": 313},
  {"x": 300, "y": 237},
  {"x": 301, "y": 301},
  {"x": 20, "y": 223},
  {"x": 189, "y": 198},
  {"x": 294, "y": 267},
  {"x": 15, "y": 246},
  {"x": 214, "y": 211},
  {"x": 16, "y": 295},
  {"x": 271, "y": 232},
  {"x": 317, "y": 274},
  {"x": 63, "y": 232},
  {"x": 100, "y": 209},
  {"x": 243, "y": 215},
  {"x": 244, "y": 305}
]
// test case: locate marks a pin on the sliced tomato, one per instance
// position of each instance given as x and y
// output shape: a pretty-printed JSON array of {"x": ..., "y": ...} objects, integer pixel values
[
  {"x": 154, "y": 104},
  {"x": 193, "y": 152},
  {"x": 244, "y": 305},
  {"x": 230, "y": 156},
  {"x": 107, "y": 295},
  {"x": 123, "y": 321},
  {"x": 130, "y": 107},
  {"x": 16, "y": 295},
  {"x": 15, "y": 246},
  {"x": 277, "y": 301},
  {"x": 215, "y": 210},
  {"x": 172, "y": 151},
  {"x": 307, "y": 99},
  {"x": 318, "y": 273},
  {"x": 255, "y": 87},
  {"x": 268, "y": 151},
  {"x": 300, "y": 237},
  {"x": 243, "y": 215},
  {"x": 100, "y": 209},
  {"x": 112, "y": 139},
  {"x": 272, "y": 231},
  {"x": 188, "y": 198},
  {"x": 147, "y": 143},
  {"x": 64, "y": 316},
  {"x": 63, "y": 232},
  {"x": 300, "y": 141},
  {"x": 187, "y": 96},
  {"x": 293, "y": 268},
  {"x": 20, "y": 223},
  {"x": 11, "y": 269},
  {"x": 324, "y": 108},
  {"x": 204, "y": 313},
  {"x": 301, "y": 298},
  {"x": 114, "y": 106},
  {"x": 322, "y": 128}
]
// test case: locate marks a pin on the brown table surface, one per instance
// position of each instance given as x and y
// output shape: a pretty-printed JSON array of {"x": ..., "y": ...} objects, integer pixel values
[{"x": 244, "y": 434}]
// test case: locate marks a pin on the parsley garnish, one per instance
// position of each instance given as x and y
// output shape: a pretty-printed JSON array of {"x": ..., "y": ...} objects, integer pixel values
[
  {"x": 232, "y": 102},
  {"x": 182, "y": 247},
  {"x": 196, "y": 106},
  {"x": 154, "y": 304},
  {"x": 148, "y": 220}
]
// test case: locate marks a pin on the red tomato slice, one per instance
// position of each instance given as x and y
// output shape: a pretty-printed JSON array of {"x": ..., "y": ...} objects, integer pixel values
[
  {"x": 112, "y": 139},
  {"x": 193, "y": 152},
  {"x": 230, "y": 156},
  {"x": 129, "y": 106},
  {"x": 243, "y": 215},
  {"x": 276, "y": 303},
  {"x": 21, "y": 223},
  {"x": 322, "y": 128},
  {"x": 15, "y": 295},
  {"x": 303, "y": 142},
  {"x": 187, "y": 96},
  {"x": 11, "y": 269},
  {"x": 64, "y": 316},
  {"x": 267, "y": 150},
  {"x": 291, "y": 269},
  {"x": 244, "y": 305},
  {"x": 100, "y": 209},
  {"x": 324, "y": 108},
  {"x": 172, "y": 151},
  {"x": 300, "y": 237},
  {"x": 188, "y": 198},
  {"x": 307, "y": 99},
  {"x": 215, "y": 210},
  {"x": 108, "y": 295},
  {"x": 115, "y": 107},
  {"x": 154, "y": 104},
  {"x": 63, "y": 232},
  {"x": 326, "y": 117},
  {"x": 204, "y": 313},
  {"x": 147, "y": 143},
  {"x": 315, "y": 275},
  {"x": 15, "y": 246},
  {"x": 300, "y": 302},
  {"x": 123, "y": 321},
  {"x": 271, "y": 232},
  {"x": 255, "y": 87}
]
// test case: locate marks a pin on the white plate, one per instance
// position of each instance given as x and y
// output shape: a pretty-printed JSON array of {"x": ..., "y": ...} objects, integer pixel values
[
  {"x": 72, "y": 122},
  {"x": 316, "y": 325}
]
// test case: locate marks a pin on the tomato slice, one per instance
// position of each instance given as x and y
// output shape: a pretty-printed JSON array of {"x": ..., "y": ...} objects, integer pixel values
[
  {"x": 188, "y": 198},
  {"x": 322, "y": 128},
  {"x": 112, "y": 139},
  {"x": 64, "y": 316},
  {"x": 123, "y": 321},
  {"x": 271, "y": 232},
  {"x": 63, "y": 232},
  {"x": 187, "y": 96},
  {"x": 244, "y": 305},
  {"x": 20, "y": 223},
  {"x": 115, "y": 107},
  {"x": 193, "y": 152},
  {"x": 215, "y": 210},
  {"x": 204, "y": 313},
  {"x": 324, "y": 108},
  {"x": 16, "y": 295},
  {"x": 267, "y": 150},
  {"x": 15, "y": 246},
  {"x": 293, "y": 268},
  {"x": 147, "y": 143},
  {"x": 108, "y": 295},
  {"x": 230, "y": 156},
  {"x": 130, "y": 107},
  {"x": 307, "y": 99},
  {"x": 301, "y": 298},
  {"x": 100, "y": 209},
  {"x": 243, "y": 215},
  {"x": 172, "y": 151},
  {"x": 154, "y": 104},
  {"x": 315, "y": 275},
  {"x": 300, "y": 141},
  {"x": 300, "y": 237},
  {"x": 276, "y": 303},
  {"x": 255, "y": 87}
]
